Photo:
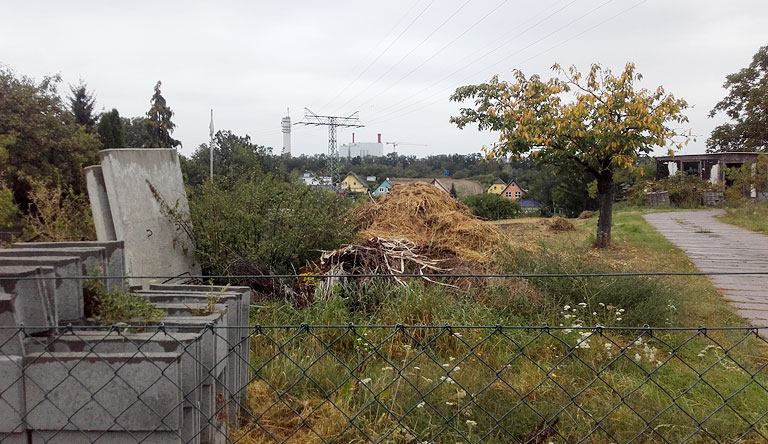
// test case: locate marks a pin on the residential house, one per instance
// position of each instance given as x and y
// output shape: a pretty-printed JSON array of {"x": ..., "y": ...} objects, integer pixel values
[
  {"x": 497, "y": 187},
  {"x": 530, "y": 206},
  {"x": 354, "y": 184},
  {"x": 388, "y": 183},
  {"x": 383, "y": 188},
  {"x": 512, "y": 191},
  {"x": 463, "y": 187}
]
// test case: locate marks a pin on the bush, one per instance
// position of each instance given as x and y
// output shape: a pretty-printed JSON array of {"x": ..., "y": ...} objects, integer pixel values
[
  {"x": 685, "y": 190},
  {"x": 111, "y": 306},
  {"x": 492, "y": 207},
  {"x": 264, "y": 225},
  {"x": 57, "y": 215}
]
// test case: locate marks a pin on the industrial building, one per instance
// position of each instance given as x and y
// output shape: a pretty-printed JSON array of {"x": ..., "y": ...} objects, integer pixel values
[{"x": 362, "y": 149}]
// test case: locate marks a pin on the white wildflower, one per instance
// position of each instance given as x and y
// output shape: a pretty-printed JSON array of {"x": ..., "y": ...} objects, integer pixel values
[
  {"x": 582, "y": 304},
  {"x": 471, "y": 423},
  {"x": 638, "y": 357},
  {"x": 451, "y": 358},
  {"x": 420, "y": 405},
  {"x": 608, "y": 345},
  {"x": 366, "y": 381},
  {"x": 618, "y": 319},
  {"x": 449, "y": 403},
  {"x": 386, "y": 368},
  {"x": 417, "y": 368},
  {"x": 566, "y": 307}
]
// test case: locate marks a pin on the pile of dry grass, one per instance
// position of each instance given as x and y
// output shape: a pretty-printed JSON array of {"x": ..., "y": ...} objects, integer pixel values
[
  {"x": 432, "y": 220},
  {"x": 560, "y": 224}
]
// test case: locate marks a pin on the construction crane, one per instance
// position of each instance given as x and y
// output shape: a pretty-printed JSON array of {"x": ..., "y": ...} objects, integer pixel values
[
  {"x": 332, "y": 122},
  {"x": 395, "y": 144}
]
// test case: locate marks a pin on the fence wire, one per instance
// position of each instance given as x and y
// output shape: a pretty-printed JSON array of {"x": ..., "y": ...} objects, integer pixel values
[{"x": 383, "y": 384}]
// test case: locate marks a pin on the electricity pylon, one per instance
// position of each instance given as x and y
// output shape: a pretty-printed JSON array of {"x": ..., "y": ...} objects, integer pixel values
[{"x": 332, "y": 122}]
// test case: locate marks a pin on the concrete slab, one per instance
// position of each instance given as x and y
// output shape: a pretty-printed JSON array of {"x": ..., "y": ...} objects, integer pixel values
[
  {"x": 11, "y": 337},
  {"x": 116, "y": 391},
  {"x": 114, "y": 251},
  {"x": 68, "y": 292},
  {"x": 141, "y": 184},
  {"x": 133, "y": 437},
  {"x": 12, "y": 408},
  {"x": 31, "y": 304},
  {"x": 97, "y": 194}
]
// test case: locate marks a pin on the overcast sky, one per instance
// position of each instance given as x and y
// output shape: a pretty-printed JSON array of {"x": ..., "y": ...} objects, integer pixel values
[{"x": 395, "y": 61}]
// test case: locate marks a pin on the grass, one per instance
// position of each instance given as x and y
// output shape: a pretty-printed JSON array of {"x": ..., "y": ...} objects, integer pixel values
[
  {"x": 497, "y": 385},
  {"x": 752, "y": 216}
]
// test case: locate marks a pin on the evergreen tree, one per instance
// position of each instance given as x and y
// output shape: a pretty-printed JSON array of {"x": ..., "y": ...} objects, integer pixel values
[
  {"x": 110, "y": 130},
  {"x": 158, "y": 123},
  {"x": 81, "y": 103}
]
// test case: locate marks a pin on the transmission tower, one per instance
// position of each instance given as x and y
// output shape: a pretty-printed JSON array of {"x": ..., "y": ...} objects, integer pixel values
[{"x": 332, "y": 122}]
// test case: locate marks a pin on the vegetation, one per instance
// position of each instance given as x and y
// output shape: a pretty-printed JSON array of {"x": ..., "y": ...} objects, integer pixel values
[
  {"x": 605, "y": 128},
  {"x": 110, "y": 130},
  {"x": 40, "y": 138},
  {"x": 81, "y": 103},
  {"x": 158, "y": 123},
  {"x": 492, "y": 206},
  {"x": 112, "y": 306},
  {"x": 57, "y": 214},
  {"x": 426, "y": 375},
  {"x": 745, "y": 106}
]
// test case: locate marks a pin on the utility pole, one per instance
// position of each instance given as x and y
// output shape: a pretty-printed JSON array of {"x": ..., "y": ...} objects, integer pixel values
[
  {"x": 332, "y": 122},
  {"x": 210, "y": 147}
]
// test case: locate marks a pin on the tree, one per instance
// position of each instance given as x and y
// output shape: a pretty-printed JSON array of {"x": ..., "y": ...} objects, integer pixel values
[
  {"x": 453, "y": 191},
  {"x": 110, "y": 130},
  {"x": 39, "y": 137},
  {"x": 158, "y": 123},
  {"x": 598, "y": 123},
  {"x": 81, "y": 104},
  {"x": 135, "y": 131},
  {"x": 747, "y": 105}
]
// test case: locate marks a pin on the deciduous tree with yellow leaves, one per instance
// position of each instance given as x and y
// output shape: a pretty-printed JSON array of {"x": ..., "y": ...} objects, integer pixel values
[{"x": 599, "y": 123}]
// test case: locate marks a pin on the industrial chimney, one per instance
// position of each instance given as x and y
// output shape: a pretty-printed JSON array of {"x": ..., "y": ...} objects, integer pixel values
[{"x": 286, "y": 126}]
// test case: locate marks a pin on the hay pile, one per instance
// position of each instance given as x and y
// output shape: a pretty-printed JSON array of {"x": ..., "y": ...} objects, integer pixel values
[
  {"x": 431, "y": 219},
  {"x": 415, "y": 229}
]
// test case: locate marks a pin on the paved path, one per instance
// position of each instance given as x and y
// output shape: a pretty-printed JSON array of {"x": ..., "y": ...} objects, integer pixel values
[{"x": 716, "y": 246}]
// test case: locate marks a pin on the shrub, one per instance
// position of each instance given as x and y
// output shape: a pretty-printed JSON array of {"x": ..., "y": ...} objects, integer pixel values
[
  {"x": 491, "y": 206},
  {"x": 685, "y": 190},
  {"x": 9, "y": 212},
  {"x": 57, "y": 215},
  {"x": 264, "y": 225},
  {"x": 111, "y": 306},
  {"x": 750, "y": 177}
]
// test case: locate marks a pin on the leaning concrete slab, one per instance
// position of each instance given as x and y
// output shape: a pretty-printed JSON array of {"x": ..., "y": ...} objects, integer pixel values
[
  {"x": 114, "y": 391},
  {"x": 114, "y": 251},
  {"x": 97, "y": 193},
  {"x": 142, "y": 184},
  {"x": 68, "y": 291}
]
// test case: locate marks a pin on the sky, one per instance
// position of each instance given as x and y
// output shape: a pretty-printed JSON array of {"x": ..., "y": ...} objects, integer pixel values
[{"x": 395, "y": 62}]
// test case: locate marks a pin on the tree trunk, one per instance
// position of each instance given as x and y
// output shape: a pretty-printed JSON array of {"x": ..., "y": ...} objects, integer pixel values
[{"x": 605, "y": 193}]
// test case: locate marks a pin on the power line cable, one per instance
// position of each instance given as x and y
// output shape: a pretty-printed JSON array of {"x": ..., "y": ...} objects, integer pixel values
[
  {"x": 486, "y": 54},
  {"x": 386, "y": 117},
  {"x": 370, "y": 85},
  {"x": 343, "y": 90},
  {"x": 427, "y": 60}
]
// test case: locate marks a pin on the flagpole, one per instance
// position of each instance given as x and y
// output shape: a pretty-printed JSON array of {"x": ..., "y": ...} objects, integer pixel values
[{"x": 210, "y": 147}]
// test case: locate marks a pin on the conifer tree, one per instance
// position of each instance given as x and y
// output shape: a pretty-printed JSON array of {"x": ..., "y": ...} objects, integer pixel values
[
  {"x": 81, "y": 103},
  {"x": 110, "y": 130},
  {"x": 158, "y": 122}
]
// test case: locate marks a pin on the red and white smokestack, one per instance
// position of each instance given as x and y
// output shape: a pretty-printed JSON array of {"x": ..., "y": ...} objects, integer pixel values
[
  {"x": 353, "y": 137},
  {"x": 379, "y": 137}
]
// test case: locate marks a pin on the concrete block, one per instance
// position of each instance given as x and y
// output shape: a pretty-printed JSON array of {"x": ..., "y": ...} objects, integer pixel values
[
  {"x": 11, "y": 337},
  {"x": 242, "y": 371},
  {"x": 114, "y": 251},
  {"x": 14, "y": 438},
  {"x": 12, "y": 408},
  {"x": 92, "y": 259},
  {"x": 97, "y": 194},
  {"x": 231, "y": 301},
  {"x": 114, "y": 437},
  {"x": 140, "y": 185},
  {"x": 106, "y": 392},
  {"x": 212, "y": 329},
  {"x": 68, "y": 292},
  {"x": 31, "y": 304}
]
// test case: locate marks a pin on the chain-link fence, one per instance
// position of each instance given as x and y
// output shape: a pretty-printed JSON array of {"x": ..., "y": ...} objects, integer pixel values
[{"x": 383, "y": 384}]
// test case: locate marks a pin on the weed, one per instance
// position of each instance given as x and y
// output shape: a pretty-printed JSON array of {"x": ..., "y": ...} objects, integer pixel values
[{"x": 111, "y": 306}]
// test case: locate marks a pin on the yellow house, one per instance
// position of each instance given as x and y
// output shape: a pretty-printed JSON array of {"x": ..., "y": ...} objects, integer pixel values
[
  {"x": 497, "y": 187},
  {"x": 354, "y": 184}
]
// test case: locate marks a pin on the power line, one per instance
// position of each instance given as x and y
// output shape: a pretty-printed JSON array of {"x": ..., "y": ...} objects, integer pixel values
[
  {"x": 486, "y": 54},
  {"x": 440, "y": 50},
  {"x": 343, "y": 90},
  {"x": 386, "y": 117},
  {"x": 409, "y": 52}
]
